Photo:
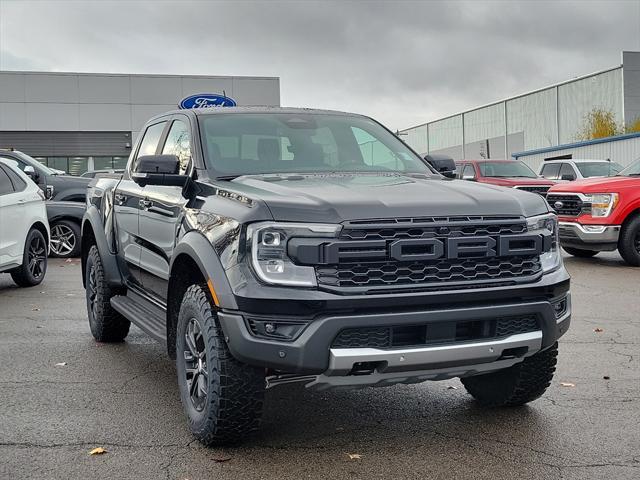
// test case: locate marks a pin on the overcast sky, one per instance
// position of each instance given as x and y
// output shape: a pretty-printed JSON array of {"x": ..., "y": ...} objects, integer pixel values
[{"x": 402, "y": 62}]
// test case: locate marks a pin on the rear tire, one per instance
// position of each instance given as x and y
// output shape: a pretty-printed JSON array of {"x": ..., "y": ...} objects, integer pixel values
[
  {"x": 629, "y": 242},
  {"x": 579, "y": 252},
  {"x": 106, "y": 324},
  {"x": 221, "y": 396},
  {"x": 65, "y": 239},
  {"x": 34, "y": 261},
  {"x": 517, "y": 385}
]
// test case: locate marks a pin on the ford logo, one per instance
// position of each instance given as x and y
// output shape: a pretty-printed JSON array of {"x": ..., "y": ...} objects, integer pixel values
[
  {"x": 558, "y": 205},
  {"x": 207, "y": 100}
]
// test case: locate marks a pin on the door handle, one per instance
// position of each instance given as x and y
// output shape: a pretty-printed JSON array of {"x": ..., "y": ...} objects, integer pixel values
[
  {"x": 145, "y": 204},
  {"x": 120, "y": 199}
]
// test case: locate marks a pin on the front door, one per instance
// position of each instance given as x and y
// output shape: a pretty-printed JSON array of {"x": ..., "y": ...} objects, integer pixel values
[
  {"x": 161, "y": 215},
  {"x": 128, "y": 201}
]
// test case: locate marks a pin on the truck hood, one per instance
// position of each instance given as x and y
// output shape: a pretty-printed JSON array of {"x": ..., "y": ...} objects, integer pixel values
[
  {"x": 597, "y": 185},
  {"x": 333, "y": 198}
]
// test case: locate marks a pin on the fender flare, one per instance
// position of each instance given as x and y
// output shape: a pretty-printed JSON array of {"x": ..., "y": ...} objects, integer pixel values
[
  {"x": 93, "y": 218},
  {"x": 200, "y": 250}
]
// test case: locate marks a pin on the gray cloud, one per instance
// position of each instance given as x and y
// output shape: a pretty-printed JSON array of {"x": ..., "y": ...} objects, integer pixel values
[{"x": 402, "y": 62}]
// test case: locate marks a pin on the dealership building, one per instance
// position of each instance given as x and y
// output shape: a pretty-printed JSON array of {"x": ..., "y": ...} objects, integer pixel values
[
  {"x": 88, "y": 121},
  {"x": 539, "y": 120}
]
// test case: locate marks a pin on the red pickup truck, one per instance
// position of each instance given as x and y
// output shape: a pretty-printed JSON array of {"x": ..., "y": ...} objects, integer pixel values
[
  {"x": 505, "y": 173},
  {"x": 600, "y": 214}
]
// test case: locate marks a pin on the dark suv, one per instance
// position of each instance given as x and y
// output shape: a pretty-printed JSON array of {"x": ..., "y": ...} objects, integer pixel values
[
  {"x": 267, "y": 246},
  {"x": 56, "y": 186}
]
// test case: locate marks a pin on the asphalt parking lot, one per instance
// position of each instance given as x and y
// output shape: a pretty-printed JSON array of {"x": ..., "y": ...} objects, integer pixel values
[{"x": 124, "y": 398}]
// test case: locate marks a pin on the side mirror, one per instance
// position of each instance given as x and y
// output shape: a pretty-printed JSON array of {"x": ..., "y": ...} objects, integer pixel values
[
  {"x": 442, "y": 164},
  {"x": 31, "y": 172},
  {"x": 568, "y": 177},
  {"x": 158, "y": 170}
]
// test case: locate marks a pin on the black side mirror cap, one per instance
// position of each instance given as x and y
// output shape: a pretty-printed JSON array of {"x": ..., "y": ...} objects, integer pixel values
[
  {"x": 443, "y": 164},
  {"x": 158, "y": 170}
]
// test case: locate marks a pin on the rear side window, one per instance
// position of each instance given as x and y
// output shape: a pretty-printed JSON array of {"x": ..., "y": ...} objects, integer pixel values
[
  {"x": 551, "y": 171},
  {"x": 469, "y": 172},
  {"x": 18, "y": 184},
  {"x": 149, "y": 144},
  {"x": 6, "y": 186}
]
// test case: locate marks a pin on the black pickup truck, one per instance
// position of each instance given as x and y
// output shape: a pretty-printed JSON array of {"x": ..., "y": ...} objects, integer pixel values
[{"x": 267, "y": 246}]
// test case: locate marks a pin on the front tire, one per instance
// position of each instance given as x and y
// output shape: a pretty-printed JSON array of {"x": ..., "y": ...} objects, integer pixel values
[
  {"x": 516, "y": 385},
  {"x": 106, "y": 324},
  {"x": 34, "y": 261},
  {"x": 629, "y": 242},
  {"x": 221, "y": 396},
  {"x": 581, "y": 253},
  {"x": 65, "y": 239}
]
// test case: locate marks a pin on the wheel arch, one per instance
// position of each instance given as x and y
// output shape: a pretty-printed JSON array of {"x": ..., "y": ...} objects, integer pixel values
[
  {"x": 93, "y": 233},
  {"x": 194, "y": 261},
  {"x": 41, "y": 227}
]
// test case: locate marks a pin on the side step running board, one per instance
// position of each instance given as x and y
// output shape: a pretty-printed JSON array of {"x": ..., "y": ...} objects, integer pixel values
[{"x": 146, "y": 315}]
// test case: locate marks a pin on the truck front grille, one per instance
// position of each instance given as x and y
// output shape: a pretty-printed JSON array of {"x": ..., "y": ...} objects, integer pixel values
[
  {"x": 539, "y": 189},
  {"x": 568, "y": 205},
  {"x": 396, "y": 336},
  {"x": 371, "y": 274},
  {"x": 366, "y": 259}
]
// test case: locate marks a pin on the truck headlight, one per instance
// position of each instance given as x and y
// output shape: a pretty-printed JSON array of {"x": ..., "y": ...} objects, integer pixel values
[
  {"x": 547, "y": 225},
  {"x": 267, "y": 243},
  {"x": 602, "y": 204}
]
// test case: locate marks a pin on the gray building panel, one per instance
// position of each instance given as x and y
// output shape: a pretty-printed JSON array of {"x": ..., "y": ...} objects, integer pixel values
[{"x": 79, "y": 120}]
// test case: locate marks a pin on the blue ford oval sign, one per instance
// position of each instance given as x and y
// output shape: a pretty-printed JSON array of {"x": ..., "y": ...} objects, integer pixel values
[{"x": 207, "y": 100}]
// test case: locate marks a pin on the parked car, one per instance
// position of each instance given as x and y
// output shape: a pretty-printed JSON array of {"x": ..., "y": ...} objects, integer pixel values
[
  {"x": 24, "y": 230},
  {"x": 600, "y": 214},
  {"x": 266, "y": 246},
  {"x": 505, "y": 173},
  {"x": 575, "y": 169},
  {"x": 100, "y": 173},
  {"x": 65, "y": 219},
  {"x": 55, "y": 185}
]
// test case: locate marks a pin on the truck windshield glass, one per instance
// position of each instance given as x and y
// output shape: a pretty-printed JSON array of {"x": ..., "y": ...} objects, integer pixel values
[
  {"x": 598, "y": 169},
  {"x": 263, "y": 143},
  {"x": 506, "y": 169},
  {"x": 632, "y": 170}
]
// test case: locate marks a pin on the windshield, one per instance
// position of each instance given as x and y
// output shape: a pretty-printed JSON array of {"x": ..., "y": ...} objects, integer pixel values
[
  {"x": 632, "y": 170},
  {"x": 259, "y": 143},
  {"x": 598, "y": 169},
  {"x": 27, "y": 160},
  {"x": 506, "y": 169}
]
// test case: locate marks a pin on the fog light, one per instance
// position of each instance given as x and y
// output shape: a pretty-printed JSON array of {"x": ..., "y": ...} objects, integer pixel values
[
  {"x": 275, "y": 266},
  {"x": 275, "y": 330},
  {"x": 560, "y": 307}
]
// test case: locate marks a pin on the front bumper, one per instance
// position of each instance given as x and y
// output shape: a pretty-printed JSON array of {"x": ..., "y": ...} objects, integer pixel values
[
  {"x": 590, "y": 237},
  {"x": 312, "y": 355}
]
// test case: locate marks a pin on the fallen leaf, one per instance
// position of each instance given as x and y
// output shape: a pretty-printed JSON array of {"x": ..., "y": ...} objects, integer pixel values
[
  {"x": 221, "y": 459},
  {"x": 35, "y": 309},
  {"x": 567, "y": 384},
  {"x": 607, "y": 377},
  {"x": 354, "y": 456},
  {"x": 451, "y": 387},
  {"x": 598, "y": 330},
  {"x": 97, "y": 451},
  {"x": 61, "y": 364},
  {"x": 69, "y": 260}
]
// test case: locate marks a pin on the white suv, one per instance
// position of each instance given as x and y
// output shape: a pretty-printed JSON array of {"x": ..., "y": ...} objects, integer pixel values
[
  {"x": 24, "y": 229},
  {"x": 574, "y": 169}
]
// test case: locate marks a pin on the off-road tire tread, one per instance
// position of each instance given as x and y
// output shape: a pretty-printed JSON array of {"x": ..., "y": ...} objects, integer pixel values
[
  {"x": 516, "y": 385},
  {"x": 76, "y": 231},
  {"x": 581, "y": 252},
  {"x": 21, "y": 275},
  {"x": 625, "y": 242},
  {"x": 108, "y": 325},
  {"x": 236, "y": 391}
]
